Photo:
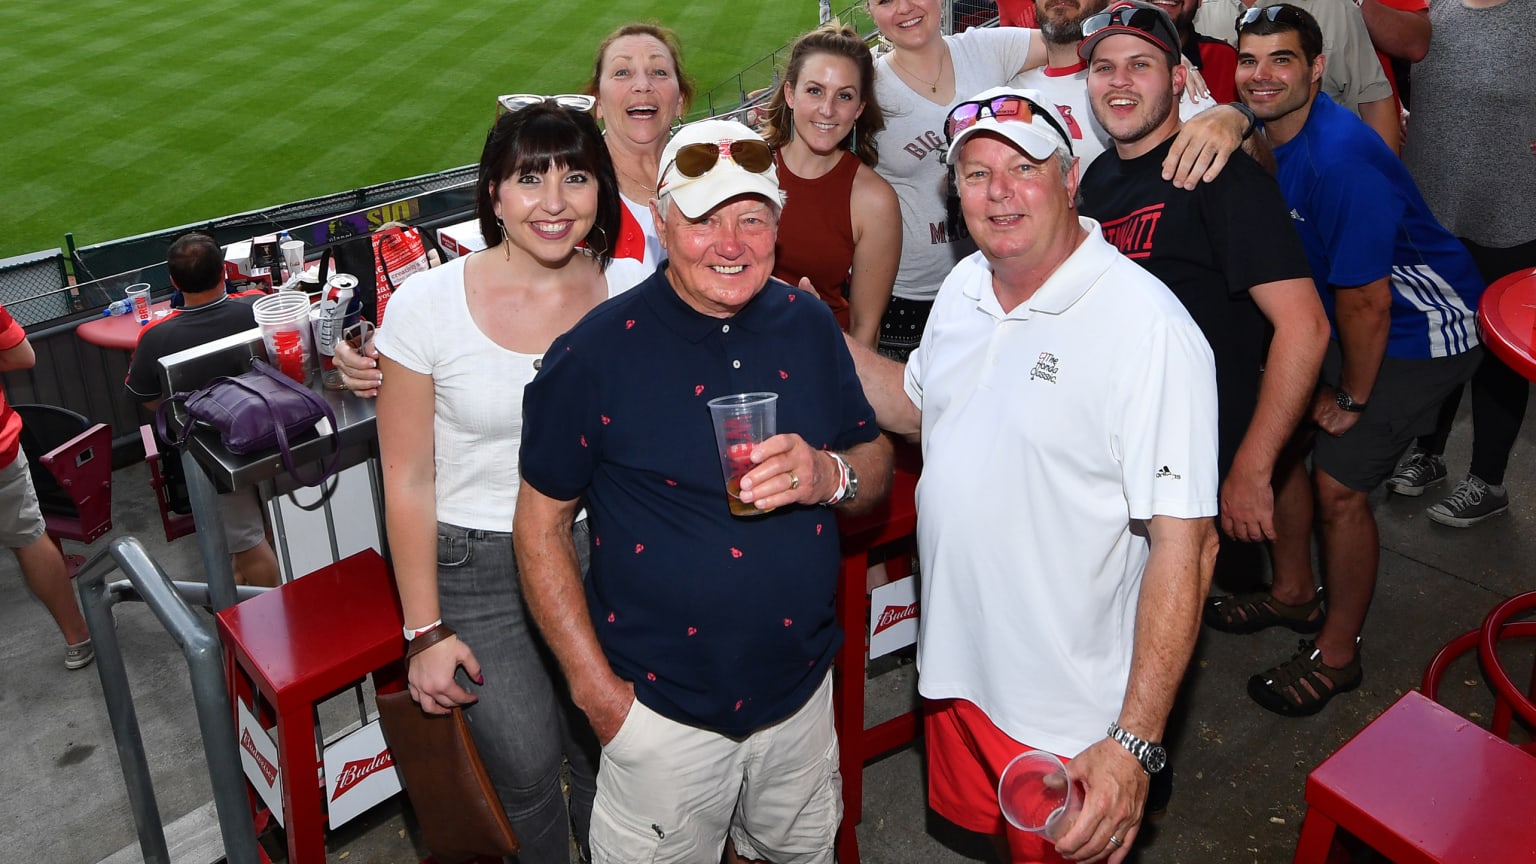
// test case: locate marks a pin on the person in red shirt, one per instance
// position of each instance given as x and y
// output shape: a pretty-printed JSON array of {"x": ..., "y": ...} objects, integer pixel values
[
  {"x": 1216, "y": 60},
  {"x": 21, "y": 521}
]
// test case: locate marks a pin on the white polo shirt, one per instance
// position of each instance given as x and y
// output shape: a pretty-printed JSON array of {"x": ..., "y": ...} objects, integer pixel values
[{"x": 1047, "y": 432}]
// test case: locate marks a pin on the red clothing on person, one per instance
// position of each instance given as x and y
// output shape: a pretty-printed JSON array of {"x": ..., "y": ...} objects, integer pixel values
[
  {"x": 816, "y": 232},
  {"x": 1386, "y": 62},
  {"x": 1217, "y": 62},
  {"x": 11, "y": 335},
  {"x": 1017, "y": 13}
]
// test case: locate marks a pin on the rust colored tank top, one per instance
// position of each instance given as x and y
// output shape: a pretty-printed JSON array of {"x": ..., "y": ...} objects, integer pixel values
[{"x": 816, "y": 232}]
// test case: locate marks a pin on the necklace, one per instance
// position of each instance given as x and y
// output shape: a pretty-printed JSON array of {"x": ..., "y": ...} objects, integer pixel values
[
  {"x": 933, "y": 86},
  {"x": 649, "y": 187}
]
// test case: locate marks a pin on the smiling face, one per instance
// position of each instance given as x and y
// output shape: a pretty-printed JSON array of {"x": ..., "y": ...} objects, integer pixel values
[
  {"x": 825, "y": 100},
  {"x": 546, "y": 213},
  {"x": 718, "y": 262},
  {"x": 1061, "y": 21},
  {"x": 1015, "y": 206},
  {"x": 1275, "y": 80},
  {"x": 1133, "y": 92},
  {"x": 1181, "y": 11},
  {"x": 906, "y": 24},
  {"x": 639, "y": 95}
]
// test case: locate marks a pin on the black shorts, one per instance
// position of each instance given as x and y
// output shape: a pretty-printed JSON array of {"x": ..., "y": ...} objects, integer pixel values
[
  {"x": 1402, "y": 406},
  {"x": 902, "y": 327}
]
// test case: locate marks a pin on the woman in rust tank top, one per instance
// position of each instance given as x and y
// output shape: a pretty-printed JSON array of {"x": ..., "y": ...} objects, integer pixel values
[{"x": 840, "y": 226}]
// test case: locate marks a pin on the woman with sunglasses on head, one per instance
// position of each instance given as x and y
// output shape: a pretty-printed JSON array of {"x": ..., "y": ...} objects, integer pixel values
[
  {"x": 641, "y": 91},
  {"x": 460, "y": 342},
  {"x": 835, "y": 229}
]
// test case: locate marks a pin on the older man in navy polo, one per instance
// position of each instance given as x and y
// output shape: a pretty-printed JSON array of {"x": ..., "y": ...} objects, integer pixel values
[{"x": 700, "y": 646}]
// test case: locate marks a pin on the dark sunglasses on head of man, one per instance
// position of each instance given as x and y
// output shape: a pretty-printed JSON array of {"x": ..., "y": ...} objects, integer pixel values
[
  {"x": 1003, "y": 109},
  {"x": 1150, "y": 22},
  {"x": 1278, "y": 12},
  {"x": 695, "y": 160}
]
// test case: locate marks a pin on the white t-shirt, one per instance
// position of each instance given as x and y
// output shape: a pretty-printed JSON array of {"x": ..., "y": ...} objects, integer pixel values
[
  {"x": 912, "y": 152},
  {"x": 1046, "y": 431},
  {"x": 1067, "y": 87},
  {"x": 477, "y": 423}
]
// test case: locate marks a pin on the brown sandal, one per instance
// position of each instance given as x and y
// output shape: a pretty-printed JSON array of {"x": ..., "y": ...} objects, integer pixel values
[
  {"x": 1303, "y": 685},
  {"x": 1255, "y": 611}
]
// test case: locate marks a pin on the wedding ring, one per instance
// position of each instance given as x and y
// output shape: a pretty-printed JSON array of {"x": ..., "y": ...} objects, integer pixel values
[
  {"x": 794, "y": 482},
  {"x": 1116, "y": 841}
]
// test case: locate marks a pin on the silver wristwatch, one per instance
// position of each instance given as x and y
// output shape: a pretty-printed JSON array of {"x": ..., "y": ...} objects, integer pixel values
[{"x": 1150, "y": 754}]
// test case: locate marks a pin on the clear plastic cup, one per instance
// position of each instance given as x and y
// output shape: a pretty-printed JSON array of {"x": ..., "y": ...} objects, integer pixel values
[
  {"x": 1035, "y": 794},
  {"x": 284, "y": 321},
  {"x": 138, "y": 297},
  {"x": 742, "y": 421}
]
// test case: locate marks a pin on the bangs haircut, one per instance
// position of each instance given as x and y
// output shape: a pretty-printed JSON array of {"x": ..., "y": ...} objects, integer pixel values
[{"x": 534, "y": 140}]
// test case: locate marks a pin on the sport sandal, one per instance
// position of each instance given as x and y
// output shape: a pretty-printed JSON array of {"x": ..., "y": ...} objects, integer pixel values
[
  {"x": 1257, "y": 610},
  {"x": 1303, "y": 685}
]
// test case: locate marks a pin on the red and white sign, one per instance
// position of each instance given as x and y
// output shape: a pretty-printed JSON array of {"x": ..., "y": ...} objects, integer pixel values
[
  {"x": 258, "y": 756},
  {"x": 892, "y": 616},
  {"x": 359, "y": 773},
  {"x": 460, "y": 239}
]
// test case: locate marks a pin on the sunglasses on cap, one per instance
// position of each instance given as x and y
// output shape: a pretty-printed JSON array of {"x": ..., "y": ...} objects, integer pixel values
[
  {"x": 1278, "y": 12},
  {"x": 1148, "y": 21},
  {"x": 1002, "y": 109},
  {"x": 519, "y": 101},
  {"x": 695, "y": 160}
]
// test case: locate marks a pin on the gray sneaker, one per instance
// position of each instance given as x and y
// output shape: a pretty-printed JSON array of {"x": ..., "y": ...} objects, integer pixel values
[
  {"x": 1419, "y": 471},
  {"x": 1469, "y": 503},
  {"x": 79, "y": 656}
]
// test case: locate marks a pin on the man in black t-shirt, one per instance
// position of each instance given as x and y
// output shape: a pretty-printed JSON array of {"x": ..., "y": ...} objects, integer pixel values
[
  {"x": 1226, "y": 249},
  {"x": 196, "y": 264}
]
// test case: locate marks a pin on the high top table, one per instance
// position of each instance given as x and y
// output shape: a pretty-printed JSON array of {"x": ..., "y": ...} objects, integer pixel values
[{"x": 1508, "y": 317}]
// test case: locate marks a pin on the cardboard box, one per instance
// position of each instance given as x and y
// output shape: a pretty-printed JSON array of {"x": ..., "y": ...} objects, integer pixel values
[{"x": 460, "y": 239}]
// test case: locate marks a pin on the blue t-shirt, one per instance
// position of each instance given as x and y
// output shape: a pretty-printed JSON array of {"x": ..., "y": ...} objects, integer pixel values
[
  {"x": 722, "y": 622},
  {"x": 1361, "y": 218}
]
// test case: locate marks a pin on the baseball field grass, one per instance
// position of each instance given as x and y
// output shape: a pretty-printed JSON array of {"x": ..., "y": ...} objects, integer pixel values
[{"x": 119, "y": 118}]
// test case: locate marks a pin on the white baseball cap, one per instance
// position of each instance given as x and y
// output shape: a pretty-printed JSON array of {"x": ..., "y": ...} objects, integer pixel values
[
  {"x": 721, "y": 159},
  {"x": 1024, "y": 117}
]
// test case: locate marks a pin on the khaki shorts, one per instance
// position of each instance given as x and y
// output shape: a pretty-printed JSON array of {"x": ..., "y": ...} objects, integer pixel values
[
  {"x": 240, "y": 511},
  {"x": 669, "y": 793},
  {"x": 25, "y": 523}
]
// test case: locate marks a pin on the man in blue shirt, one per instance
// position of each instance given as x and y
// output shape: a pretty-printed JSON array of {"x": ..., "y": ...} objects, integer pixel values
[
  {"x": 700, "y": 645},
  {"x": 1401, "y": 295}
]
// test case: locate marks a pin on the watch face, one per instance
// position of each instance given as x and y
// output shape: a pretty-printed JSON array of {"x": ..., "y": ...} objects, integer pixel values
[{"x": 1156, "y": 759}]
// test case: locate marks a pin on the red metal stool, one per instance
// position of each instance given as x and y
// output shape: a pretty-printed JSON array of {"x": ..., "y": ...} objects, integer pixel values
[
  {"x": 895, "y": 520},
  {"x": 299, "y": 644},
  {"x": 1423, "y": 784}
]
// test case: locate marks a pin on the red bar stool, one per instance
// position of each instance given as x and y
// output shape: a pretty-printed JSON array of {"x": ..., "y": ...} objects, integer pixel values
[
  {"x": 1422, "y": 784},
  {"x": 895, "y": 520},
  {"x": 298, "y": 645}
]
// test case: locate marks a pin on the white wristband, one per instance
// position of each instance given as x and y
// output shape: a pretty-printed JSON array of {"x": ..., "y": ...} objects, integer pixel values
[
  {"x": 842, "y": 479},
  {"x": 412, "y": 633}
]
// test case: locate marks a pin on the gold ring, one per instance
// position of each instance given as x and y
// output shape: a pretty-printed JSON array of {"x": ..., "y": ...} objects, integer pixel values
[
  {"x": 1116, "y": 841},
  {"x": 794, "y": 482}
]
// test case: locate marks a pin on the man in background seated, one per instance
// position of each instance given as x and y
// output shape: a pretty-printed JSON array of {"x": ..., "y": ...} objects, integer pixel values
[
  {"x": 21, "y": 521},
  {"x": 196, "y": 264}
]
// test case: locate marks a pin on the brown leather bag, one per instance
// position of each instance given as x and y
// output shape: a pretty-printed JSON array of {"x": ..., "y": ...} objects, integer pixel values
[{"x": 456, "y": 807}]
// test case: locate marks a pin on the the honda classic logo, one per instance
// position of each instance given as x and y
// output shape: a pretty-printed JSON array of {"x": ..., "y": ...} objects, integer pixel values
[
  {"x": 890, "y": 616},
  {"x": 354, "y": 773},
  {"x": 268, "y": 770}
]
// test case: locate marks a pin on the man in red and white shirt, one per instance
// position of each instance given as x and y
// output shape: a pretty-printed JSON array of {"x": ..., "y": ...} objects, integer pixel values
[{"x": 21, "y": 521}]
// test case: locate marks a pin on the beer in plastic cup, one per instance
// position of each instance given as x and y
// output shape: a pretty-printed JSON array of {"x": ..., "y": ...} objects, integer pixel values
[
  {"x": 742, "y": 421},
  {"x": 138, "y": 295}
]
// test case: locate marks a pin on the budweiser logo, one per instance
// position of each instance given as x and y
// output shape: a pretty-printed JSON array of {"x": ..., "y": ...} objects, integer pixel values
[
  {"x": 890, "y": 616},
  {"x": 268, "y": 770},
  {"x": 354, "y": 773}
]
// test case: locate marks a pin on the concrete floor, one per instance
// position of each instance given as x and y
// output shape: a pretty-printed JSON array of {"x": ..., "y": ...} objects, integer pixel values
[{"x": 1240, "y": 769}]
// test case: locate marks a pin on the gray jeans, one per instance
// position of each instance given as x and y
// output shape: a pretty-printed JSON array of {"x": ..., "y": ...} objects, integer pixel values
[{"x": 524, "y": 723}]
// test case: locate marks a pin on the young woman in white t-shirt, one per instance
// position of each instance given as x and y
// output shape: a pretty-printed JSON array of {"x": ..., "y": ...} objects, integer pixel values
[{"x": 459, "y": 344}]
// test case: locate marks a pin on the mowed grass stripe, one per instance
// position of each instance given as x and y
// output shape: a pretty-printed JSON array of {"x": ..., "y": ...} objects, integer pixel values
[{"x": 125, "y": 118}]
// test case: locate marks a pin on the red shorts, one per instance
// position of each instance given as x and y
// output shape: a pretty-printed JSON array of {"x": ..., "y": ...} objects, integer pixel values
[{"x": 966, "y": 757}]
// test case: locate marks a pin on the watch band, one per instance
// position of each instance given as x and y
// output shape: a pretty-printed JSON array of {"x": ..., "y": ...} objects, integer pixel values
[
  {"x": 1347, "y": 402},
  {"x": 1149, "y": 754},
  {"x": 440, "y": 633},
  {"x": 413, "y": 632}
]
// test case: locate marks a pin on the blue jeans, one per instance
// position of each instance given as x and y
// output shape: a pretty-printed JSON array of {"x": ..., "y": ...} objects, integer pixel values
[{"x": 524, "y": 723}]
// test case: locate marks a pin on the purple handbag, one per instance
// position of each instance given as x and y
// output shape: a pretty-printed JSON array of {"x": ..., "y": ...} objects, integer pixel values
[{"x": 253, "y": 413}]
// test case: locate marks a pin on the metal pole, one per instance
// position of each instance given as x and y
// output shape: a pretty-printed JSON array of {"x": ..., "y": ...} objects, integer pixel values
[{"x": 211, "y": 545}]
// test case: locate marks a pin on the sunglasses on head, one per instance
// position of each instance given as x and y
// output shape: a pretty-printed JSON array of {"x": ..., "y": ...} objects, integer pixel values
[
  {"x": 695, "y": 160},
  {"x": 1001, "y": 108},
  {"x": 1147, "y": 21},
  {"x": 574, "y": 101},
  {"x": 1278, "y": 12}
]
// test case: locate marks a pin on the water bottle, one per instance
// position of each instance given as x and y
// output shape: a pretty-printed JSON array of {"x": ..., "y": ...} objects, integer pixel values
[{"x": 117, "y": 307}]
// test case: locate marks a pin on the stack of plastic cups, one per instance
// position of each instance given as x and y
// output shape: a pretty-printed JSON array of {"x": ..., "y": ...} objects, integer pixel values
[{"x": 284, "y": 321}]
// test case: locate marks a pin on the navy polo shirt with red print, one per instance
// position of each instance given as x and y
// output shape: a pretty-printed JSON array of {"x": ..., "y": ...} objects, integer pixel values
[{"x": 722, "y": 622}]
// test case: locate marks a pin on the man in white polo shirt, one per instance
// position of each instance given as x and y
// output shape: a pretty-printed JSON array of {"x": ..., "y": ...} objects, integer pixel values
[{"x": 1067, "y": 407}]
